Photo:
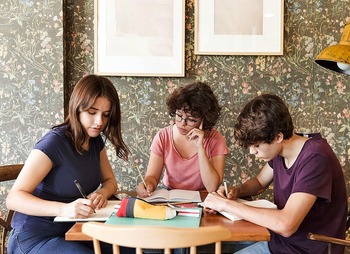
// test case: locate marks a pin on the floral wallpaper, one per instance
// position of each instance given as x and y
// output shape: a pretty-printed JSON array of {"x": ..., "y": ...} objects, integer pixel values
[
  {"x": 318, "y": 98},
  {"x": 31, "y": 77},
  {"x": 34, "y": 49}
]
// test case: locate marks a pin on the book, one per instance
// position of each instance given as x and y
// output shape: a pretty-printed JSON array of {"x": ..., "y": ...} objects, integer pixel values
[
  {"x": 102, "y": 214},
  {"x": 181, "y": 210},
  {"x": 262, "y": 203},
  {"x": 176, "y": 195},
  {"x": 192, "y": 212}
]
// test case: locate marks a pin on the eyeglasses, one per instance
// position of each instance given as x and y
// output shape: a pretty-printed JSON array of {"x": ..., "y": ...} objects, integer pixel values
[{"x": 189, "y": 121}]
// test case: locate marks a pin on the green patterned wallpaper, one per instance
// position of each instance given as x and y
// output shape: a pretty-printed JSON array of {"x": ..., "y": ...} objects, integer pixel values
[
  {"x": 31, "y": 76},
  {"x": 318, "y": 99}
]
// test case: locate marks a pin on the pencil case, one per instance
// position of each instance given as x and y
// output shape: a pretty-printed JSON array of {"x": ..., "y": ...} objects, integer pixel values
[{"x": 137, "y": 208}]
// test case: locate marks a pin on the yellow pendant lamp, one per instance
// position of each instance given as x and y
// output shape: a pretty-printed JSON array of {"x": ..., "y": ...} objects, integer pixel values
[{"x": 337, "y": 57}]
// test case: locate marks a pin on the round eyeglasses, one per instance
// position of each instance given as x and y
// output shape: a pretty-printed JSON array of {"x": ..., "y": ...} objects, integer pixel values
[{"x": 189, "y": 121}]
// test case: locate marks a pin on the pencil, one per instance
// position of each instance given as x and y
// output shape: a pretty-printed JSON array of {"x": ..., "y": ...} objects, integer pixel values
[
  {"x": 143, "y": 180},
  {"x": 226, "y": 190}
]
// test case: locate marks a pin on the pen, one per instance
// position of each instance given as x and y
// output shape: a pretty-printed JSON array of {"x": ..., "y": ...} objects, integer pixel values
[
  {"x": 82, "y": 192},
  {"x": 226, "y": 190},
  {"x": 143, "y": 180}
]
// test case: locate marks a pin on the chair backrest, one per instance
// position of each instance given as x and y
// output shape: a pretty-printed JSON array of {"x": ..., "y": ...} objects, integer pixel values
[
  {"x": 152, "y": 237},
  {"x": 7, "y": 173},
  {"x": 331, "y": 240}
]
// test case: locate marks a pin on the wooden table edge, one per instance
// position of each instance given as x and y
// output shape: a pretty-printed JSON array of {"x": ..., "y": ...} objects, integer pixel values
[{"x": 75, "y": 234}]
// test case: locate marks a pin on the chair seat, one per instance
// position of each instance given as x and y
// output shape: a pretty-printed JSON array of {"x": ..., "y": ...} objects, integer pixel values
[{"x": 7, "y": 173}]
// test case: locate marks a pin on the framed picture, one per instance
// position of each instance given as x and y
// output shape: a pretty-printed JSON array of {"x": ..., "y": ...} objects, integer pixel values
[
  {"x": 139, "y": 37},
  {"x": 239, "y": 27}
]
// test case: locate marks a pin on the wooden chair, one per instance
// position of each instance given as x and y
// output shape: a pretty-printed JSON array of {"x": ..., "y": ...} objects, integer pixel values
[
  {"x": 7, "y": 173},
  {"x": 148, "y": 237},
  {"x": 331, "y": 240}
]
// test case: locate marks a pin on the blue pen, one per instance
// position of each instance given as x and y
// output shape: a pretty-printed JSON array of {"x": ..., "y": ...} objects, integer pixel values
[{"x": 82, "y": 192}]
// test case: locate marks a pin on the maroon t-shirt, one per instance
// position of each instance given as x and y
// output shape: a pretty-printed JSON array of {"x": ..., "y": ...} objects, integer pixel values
[{"x": 316, "y": 171}]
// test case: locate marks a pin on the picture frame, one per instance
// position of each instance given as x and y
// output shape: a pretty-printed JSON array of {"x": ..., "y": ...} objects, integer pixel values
[
  {"x": 139, "y": 38},
  {"x": 239, "y": 27}
]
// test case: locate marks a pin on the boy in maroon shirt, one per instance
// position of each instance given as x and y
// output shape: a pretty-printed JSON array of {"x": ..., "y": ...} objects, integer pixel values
[{"x": 308, "y": 182}]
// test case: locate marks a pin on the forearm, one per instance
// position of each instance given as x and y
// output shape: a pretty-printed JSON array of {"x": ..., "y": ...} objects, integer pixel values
[
  {"x": 154, "y": 171},
  {"x": 209, "y": 174},
  {"x": 276, "y": 220},
  {"x": 252, "y": 187},
  {"x": 108, "y": 188},
  {"x": 270, "y": 218},
  {"x": 152, "y": 180},
  {"x": 284, "y": 222},
  {"x": 28, "y": 204}
]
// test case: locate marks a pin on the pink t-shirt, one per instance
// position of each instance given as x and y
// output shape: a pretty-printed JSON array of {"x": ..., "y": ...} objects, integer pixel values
[{"x": 182, "y": 173}]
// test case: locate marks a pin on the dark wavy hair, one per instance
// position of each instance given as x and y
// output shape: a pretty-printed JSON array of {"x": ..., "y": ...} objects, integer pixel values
[
  {"x": 198, "y": 100},
  {"x": 261, "y": 119},
  {"x": 84, "y": 95}
]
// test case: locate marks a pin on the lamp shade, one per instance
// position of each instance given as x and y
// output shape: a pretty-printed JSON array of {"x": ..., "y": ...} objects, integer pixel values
[{"x": 337, "y": 57}]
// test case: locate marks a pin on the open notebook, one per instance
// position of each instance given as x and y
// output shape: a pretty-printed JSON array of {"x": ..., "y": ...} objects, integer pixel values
[
  {"x": 263, "y": 203},
  {"x": 100, "y": 215},
  {"x": 176, "y": 195}
]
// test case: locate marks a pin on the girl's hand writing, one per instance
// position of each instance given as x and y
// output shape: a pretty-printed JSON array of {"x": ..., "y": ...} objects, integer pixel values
[
  {"x": 79, "y": 209},
  {"x": 142, "y": 192}
]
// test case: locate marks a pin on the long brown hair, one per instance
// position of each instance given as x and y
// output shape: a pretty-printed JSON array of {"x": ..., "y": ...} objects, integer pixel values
[{"x": 84, "y": 95}]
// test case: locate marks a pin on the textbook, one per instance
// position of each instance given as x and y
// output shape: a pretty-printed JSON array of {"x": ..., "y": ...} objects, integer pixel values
[
  {"x": 101, "y": 215},
  {"x": 176, "y": 195},
  {"x": 262, "y": 203}
]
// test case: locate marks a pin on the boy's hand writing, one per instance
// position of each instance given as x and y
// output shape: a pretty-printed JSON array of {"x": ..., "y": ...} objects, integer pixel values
[{"x": 232, "y": 192}]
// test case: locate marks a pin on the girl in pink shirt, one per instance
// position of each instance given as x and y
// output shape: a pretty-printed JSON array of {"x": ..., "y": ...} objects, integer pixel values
[{"x": 191, "y": 151}]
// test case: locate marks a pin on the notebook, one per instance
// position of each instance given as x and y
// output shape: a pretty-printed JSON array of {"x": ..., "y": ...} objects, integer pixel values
[
  {"x": 176, "y": 195},
  {"x": 101, "y": 215},
  {"x": 263, "y": 203}
]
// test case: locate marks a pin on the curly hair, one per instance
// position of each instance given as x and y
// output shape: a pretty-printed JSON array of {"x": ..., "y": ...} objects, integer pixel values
[
  {"x": 261, "y": 119},
  {"x": 198, "y": 100}
]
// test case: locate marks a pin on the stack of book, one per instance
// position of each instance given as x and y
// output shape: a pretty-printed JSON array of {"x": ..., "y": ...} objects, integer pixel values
[{"x": 186, "y": 209}]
